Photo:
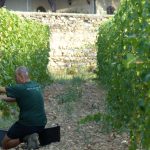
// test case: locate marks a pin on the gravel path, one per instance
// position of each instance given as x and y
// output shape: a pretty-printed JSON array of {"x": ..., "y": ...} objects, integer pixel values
[{"x": 89, "y": 136}]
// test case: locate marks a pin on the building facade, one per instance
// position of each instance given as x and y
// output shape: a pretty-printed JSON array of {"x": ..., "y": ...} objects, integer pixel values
[{"x": 63, "y": 6}]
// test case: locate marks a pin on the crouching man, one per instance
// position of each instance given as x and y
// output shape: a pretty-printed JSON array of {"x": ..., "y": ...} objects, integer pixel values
[{"x": 28, "y": 96}]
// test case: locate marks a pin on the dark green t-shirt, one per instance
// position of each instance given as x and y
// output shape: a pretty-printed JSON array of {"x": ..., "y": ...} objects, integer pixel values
[{"x": 30, "y": 101}]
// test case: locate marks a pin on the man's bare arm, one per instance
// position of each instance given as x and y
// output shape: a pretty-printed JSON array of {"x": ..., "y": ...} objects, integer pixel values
[
  {"x": 7, "y": 99},
  {"x": 2, "y": 89}
]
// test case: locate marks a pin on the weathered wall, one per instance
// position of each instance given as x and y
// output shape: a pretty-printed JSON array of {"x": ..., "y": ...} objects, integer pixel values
[
  {"x": 20, "y": 5},
  {"x": 101, "y": 5},
  {"x": 77, "y": 6},
  {"x": 62, "y": 6},
  {"x": 72, "y": 42}
]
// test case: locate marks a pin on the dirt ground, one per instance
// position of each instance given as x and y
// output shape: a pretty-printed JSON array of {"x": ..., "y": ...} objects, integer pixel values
[
  {"x": 89, "y": 136},
  {"x": 74, "y": 136}
]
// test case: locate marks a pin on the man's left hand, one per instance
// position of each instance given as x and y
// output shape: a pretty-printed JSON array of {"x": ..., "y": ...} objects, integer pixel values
[{"x": 2, "y": 90}]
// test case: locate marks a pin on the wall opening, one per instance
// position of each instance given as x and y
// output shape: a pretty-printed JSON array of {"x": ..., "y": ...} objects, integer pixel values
[
  {"x": 41, "y": 9},
  {"x": 110, "y": 10}
]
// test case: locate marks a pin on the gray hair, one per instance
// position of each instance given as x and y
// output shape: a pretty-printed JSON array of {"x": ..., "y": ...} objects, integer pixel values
[{"x": 22, "y": 70}]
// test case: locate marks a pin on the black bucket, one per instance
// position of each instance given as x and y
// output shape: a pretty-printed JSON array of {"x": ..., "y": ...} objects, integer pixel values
[
  {"x": 49, "y": 135},
  {"x": 2, "y": 134}
]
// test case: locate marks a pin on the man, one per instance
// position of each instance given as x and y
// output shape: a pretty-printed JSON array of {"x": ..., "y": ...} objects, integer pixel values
[{"x": 32, "y": 117}]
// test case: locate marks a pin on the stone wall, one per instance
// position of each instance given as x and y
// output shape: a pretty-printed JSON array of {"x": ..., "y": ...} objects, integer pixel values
[{"x": 72, "y": 41}]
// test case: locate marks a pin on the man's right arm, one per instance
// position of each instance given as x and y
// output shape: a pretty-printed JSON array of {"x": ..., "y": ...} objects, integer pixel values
[{"x": 2, "y": 89}]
